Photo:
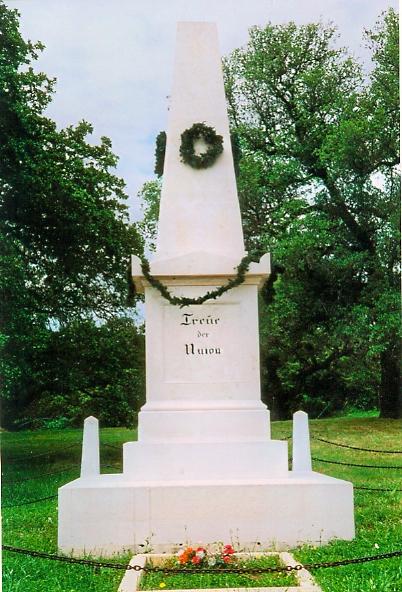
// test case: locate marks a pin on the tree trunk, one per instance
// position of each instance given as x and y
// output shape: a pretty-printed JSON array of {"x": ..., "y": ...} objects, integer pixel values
[{"x": 390, "y": 387}]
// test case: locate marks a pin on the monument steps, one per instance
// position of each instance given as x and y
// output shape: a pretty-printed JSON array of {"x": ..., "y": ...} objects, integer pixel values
[{"x": 205, "y": 460}]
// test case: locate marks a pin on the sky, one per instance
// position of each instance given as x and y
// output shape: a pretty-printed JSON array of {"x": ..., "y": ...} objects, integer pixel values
[{"x": 113, "y": 59}]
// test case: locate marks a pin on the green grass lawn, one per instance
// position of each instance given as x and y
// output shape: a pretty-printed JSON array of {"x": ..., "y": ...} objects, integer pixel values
[{"x": 378, "y": 514}]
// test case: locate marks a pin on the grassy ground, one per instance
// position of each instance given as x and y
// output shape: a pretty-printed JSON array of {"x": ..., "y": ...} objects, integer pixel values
[
  {"x": 378, "y": 514},
  {"x": 34, "y": 526}
]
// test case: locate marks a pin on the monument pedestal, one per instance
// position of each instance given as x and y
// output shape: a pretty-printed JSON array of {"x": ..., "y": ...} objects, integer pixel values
[
  {"x": 204, "y": 468},
  {"x": 111, "y": 513}
]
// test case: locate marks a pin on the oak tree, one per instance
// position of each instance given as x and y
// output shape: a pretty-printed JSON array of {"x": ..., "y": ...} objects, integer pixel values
[
  {"x": 64, "y": 227},
  {"x": 319, "y": 187}
]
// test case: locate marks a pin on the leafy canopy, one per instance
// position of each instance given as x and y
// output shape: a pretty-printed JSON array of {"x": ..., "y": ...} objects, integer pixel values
[
  {"x": 319, "y": 187},
  {"x": 61, "y": 206},
  {"x": 64, "y": 231}
]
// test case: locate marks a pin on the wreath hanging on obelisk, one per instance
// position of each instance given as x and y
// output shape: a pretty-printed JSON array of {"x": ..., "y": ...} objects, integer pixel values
[
  {"x": 200, "y": 131},
  {"x": 161, "y": 148}
]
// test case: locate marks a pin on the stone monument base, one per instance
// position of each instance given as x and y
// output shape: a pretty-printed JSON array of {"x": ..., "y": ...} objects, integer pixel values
[{"x": 107, "y": 514}]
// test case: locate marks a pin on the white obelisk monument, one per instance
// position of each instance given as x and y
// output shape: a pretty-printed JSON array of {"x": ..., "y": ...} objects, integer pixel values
[{"x": 204, "y": 467}]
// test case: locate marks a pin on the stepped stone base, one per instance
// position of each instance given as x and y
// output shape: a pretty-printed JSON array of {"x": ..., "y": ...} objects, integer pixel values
[
  {"x": 212, "y": 461},
  {"x": 106, "y": 514}
]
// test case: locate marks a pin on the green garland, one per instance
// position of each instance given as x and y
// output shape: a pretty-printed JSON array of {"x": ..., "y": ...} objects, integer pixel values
[
  {"x": 212, "y": 295},
  {"x": 209, "y": 135},
  {"x": 236, "y": 151},
  {"x": 160, "y": 150}
]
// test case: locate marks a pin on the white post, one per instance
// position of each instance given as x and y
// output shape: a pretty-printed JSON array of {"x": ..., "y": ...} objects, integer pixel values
[
  {"x": 301, "y": 461},
  {"x": 90, "y": 463}
]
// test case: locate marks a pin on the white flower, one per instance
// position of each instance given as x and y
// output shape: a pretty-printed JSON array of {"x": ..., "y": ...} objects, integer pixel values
[
  {"x": 200, "y": 554},
  {"x": 211, "y": 561},
  {"x": 376, "y": 545},
  {"x": 180, "y": 553}
]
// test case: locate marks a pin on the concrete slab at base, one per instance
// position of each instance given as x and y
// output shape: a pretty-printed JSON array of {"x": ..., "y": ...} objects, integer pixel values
[{"x": 108, "y": 514}]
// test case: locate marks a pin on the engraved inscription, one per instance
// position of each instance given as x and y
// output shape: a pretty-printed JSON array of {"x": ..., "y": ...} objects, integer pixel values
[
  {"x": 192, "y": 350},
  {"x": 201, "y": 344},
  {"x": 191, "y": 320}
]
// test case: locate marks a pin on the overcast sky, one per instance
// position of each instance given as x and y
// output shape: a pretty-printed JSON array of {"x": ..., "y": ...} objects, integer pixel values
[{"x": 113, "y": 58}]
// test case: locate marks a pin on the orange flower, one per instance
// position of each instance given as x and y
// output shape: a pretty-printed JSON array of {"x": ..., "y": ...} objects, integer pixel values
[{"x": 186, "y": 555}]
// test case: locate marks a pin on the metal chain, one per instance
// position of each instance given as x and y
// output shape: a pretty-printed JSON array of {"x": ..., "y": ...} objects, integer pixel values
[
  {"x": 31, "y": 456},
  {"x": 71, "y": 468},
  {"x": 40, "y": 499},
  {"x": 337, "y": 462},
  {"x": 353, "y": 561},
  {"x": 356, "y": 447},
  {"x": 260, "y": 570},
  {"x": 376, "y": 450},
  {"x": 375, "y": 489},
  {"x": 363, "y": 488}
]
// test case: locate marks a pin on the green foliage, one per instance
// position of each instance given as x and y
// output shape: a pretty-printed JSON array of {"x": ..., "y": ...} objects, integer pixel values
[
  {"x": 150, "y": 198},
  {"x": 64, "y": 231},
  {"x": 160, "y": 150},
  {"x": 319, "y": 188},
  {"x": 88, "y": 369},
  {"x": 22, "y": 332},
  {"x": 60, "y": 203},
  {"x": 236, "y": 151}
]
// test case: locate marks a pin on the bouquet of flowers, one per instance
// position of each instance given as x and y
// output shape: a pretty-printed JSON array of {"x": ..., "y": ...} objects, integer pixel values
[{"x": 200, "y": 557}]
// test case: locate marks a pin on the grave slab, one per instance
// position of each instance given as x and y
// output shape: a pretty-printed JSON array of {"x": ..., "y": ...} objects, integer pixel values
[{"x": 305, "y": 581}]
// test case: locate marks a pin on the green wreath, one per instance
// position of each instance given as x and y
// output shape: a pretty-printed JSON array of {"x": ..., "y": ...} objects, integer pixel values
[
  {"x": 160, "y": 150},
  {"x": 209, "y": 135}
]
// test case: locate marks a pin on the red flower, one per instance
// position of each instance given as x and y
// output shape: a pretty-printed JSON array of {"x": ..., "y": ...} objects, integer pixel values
[
  {"x": 196, "y": 560},
  {"x": 227, "y": 558},
  {"x": 228, "y": 550}
]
